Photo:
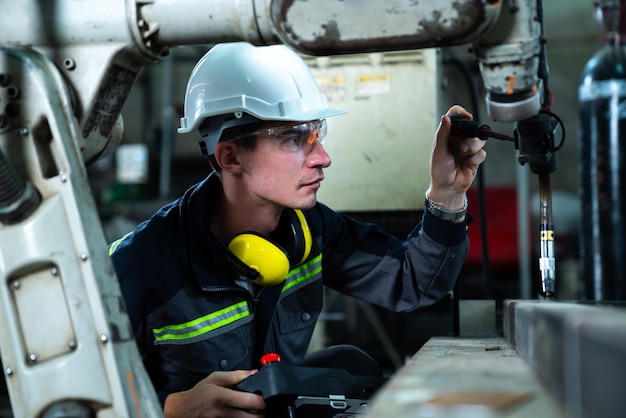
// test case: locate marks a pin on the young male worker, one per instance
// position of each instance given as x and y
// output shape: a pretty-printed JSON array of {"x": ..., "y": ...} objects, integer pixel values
[{"x": 235, "y": 267}]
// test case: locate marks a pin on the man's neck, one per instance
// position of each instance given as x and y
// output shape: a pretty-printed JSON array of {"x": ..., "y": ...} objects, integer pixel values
[{"x": 232, "y": 217}]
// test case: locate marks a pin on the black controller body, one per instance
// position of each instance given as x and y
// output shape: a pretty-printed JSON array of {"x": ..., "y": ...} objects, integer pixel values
[{"x": 311, "y": 391}]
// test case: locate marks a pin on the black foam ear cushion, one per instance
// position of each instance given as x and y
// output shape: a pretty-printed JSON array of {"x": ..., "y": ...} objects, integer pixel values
[{"x": 288, "y": 234}]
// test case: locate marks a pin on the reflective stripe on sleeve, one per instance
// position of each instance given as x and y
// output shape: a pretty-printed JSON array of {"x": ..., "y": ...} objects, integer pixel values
[{"x": 113, "y": 246}]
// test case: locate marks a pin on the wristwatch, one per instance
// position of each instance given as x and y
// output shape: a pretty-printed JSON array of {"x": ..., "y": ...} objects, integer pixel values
[{"x": 444, "y": 214}]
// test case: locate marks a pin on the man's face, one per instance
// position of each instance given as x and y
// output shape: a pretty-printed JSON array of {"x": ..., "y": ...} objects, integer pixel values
[{"x": 285, "y": 167}]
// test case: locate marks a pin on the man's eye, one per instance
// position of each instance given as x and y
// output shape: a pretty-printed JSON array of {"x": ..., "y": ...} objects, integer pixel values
[{"x": 297, "y": 140}]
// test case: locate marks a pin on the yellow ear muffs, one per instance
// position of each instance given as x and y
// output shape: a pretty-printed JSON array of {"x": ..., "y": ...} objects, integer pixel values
[
  {"x": 263, "y": 256},
  {"x": 289, "y": 246}
]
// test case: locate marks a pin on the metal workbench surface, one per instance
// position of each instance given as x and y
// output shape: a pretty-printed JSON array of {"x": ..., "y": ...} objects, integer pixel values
[{"x": 464, "y": 377}]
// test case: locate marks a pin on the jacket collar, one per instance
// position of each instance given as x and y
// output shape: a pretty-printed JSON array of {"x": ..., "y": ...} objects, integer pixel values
[{"x": 213, "y": 265}]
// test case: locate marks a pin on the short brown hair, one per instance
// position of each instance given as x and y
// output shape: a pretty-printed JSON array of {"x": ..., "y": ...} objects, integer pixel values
[
  {"x": 240, "y": 131},
  {"x": 246, "y": 142}
]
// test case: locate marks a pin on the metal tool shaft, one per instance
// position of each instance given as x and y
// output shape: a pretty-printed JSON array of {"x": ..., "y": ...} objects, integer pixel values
[{"x": 546, "y": 239}]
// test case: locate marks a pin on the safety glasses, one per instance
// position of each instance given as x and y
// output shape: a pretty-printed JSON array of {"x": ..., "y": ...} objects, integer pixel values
[{"x": 293, "y": 138}]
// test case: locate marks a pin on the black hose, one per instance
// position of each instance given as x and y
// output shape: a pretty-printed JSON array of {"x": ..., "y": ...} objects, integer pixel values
[
  {"x": 17, "y": 198},
  {"x": 11, "y": 188}
]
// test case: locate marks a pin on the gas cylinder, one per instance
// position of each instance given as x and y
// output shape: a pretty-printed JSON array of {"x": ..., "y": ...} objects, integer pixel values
[{"x": 602, "y": 154}]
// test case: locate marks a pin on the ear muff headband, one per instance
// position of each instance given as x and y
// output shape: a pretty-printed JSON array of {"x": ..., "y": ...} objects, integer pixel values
[
  {"x": 263, "y": 256},
  {"x": 306, "y": 235}
]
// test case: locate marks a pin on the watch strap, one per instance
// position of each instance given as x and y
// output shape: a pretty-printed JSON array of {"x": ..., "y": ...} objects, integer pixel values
[{"x": 442, "y": 213}]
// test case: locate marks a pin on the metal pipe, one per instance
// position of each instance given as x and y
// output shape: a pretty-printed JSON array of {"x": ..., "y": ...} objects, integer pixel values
[
  {"x": 167, "y": 128},
  {"x": 523, "y": 228}
]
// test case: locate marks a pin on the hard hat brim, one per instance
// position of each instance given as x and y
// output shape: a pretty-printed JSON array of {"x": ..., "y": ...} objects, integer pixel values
[{"x": 185, "y": 127}]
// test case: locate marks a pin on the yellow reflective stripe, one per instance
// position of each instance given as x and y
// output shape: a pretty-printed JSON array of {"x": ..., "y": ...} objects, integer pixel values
[
  {"x": 202, "y": 325},
  {"x": 113, "y": 246},
  {"x": 304, "y": 272}
]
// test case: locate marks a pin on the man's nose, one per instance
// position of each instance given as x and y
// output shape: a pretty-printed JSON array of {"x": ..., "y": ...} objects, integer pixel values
[{"x": 319, "y": 156}]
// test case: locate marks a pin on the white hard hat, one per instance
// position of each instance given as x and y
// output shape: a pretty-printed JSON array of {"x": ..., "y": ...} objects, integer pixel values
[{"x": 237, "y": 83}]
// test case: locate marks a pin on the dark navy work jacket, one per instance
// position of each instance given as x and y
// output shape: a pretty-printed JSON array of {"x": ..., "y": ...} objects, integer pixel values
[{"x": 194, "y": 311}]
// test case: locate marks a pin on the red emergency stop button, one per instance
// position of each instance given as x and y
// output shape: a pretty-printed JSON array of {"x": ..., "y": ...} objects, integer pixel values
[{"x": 270, "y": 358}]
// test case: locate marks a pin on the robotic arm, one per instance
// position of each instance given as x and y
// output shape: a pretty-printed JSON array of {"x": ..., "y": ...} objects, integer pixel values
[
  {"x": 100, "y": 48},
  {"x": 66, "y": 69},
  {"x": 509, "y": 46}
]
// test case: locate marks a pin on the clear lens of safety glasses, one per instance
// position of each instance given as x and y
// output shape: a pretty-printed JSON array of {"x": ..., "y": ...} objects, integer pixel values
[
  {"x": 295, "y": 137},
  {"x": 299, "y": 137}
]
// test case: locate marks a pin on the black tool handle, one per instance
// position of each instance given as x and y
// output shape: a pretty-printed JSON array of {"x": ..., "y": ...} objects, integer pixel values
[{"x": 465, "y": 128}]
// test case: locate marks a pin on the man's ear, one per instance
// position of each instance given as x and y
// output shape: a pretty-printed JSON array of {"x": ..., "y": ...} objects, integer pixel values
[{"x": 226, "y": 156}]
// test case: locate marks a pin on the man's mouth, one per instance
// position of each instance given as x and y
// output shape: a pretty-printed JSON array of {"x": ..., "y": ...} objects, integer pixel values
[{"x": 315, "y": 182}]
